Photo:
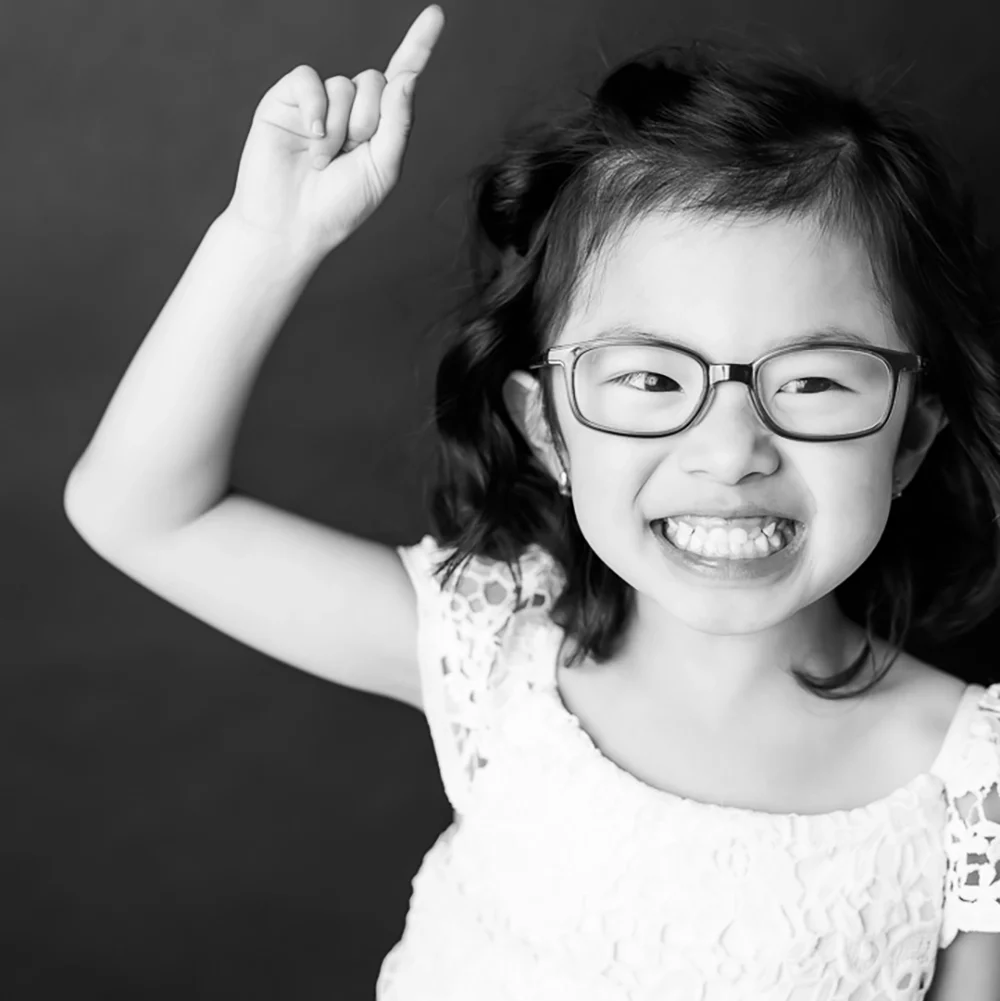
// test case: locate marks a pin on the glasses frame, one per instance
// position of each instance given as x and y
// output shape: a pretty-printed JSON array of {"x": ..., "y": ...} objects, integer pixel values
[{"x": 567, "y": 356}]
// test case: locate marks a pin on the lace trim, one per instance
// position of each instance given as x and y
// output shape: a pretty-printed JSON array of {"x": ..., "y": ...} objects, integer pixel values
[{"x": 462, "y": 630}]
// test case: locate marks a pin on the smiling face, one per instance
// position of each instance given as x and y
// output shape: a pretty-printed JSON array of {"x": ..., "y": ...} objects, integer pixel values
[{"x": 731, "y": 291}]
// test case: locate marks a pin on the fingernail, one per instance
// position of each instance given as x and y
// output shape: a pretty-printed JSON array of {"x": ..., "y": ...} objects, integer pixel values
[{"x": 318, "y": 129}]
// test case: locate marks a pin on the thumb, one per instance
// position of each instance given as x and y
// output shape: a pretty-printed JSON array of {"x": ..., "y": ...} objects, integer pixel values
[{"x": 395, "y": 122}]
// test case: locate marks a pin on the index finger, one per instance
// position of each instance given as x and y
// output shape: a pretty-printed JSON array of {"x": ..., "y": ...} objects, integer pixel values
[{"x": 417, "y": 44}]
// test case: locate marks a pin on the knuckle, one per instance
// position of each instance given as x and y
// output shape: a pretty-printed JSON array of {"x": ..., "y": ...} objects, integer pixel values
[
  {"x": 340, "y": 92},
  {"x": 302, "y": 83},
  {"x": 369, "y": 75}
]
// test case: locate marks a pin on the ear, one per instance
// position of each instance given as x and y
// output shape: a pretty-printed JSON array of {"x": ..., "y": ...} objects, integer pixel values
[
  {"x": 522, "y": 395},
  {"x": 924, "y": 422}
]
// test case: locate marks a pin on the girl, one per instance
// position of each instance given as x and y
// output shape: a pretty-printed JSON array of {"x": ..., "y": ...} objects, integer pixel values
[{"x": 722, "y": 409}]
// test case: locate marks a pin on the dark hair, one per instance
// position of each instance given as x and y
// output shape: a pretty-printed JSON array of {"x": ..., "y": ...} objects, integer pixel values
[{"x": 745, "y": 136}]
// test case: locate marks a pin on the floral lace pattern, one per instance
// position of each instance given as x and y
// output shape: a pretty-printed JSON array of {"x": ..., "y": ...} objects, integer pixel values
[
  {"x": 565, "y": 878},
  {"x": 972, "y": 830}
]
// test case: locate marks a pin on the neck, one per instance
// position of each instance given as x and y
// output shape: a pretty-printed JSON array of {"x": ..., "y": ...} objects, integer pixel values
[{"x": 667, "y": 659}]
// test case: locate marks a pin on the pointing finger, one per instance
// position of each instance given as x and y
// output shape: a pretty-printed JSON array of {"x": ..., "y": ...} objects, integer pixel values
[{"x": 417, "y": 44}]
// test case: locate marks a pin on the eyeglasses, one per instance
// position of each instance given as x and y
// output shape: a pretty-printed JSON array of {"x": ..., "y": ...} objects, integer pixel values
[{"x": 825, "y": 392}]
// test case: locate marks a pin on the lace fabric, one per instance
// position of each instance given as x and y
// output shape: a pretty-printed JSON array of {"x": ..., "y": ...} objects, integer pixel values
[{"x": 565, "y": 878}]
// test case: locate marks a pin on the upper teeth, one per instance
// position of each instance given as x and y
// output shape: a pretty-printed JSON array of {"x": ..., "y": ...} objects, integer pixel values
[
  {"x": 716, "y": 539},
  {"x": 767, "y": 525}
]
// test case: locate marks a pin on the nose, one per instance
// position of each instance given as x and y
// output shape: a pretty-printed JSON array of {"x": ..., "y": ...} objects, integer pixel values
[{"x": 728, "y": 441}]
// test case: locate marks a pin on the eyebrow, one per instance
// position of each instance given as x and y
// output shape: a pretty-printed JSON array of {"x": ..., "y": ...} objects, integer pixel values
[{"x": 821, "y": 335}]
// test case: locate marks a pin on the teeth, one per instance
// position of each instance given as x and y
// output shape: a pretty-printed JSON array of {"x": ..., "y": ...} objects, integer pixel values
[
  {"x": 684, "y": 532},
  {"x": 735, "y": 543}
]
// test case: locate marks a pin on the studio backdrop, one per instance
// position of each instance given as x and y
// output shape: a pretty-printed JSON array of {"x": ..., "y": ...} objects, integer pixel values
[{"x": 182, "y": 816}]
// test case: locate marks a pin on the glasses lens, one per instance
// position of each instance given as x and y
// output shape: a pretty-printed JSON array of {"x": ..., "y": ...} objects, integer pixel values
[
  {"x": 825, "y": 391},
  {"x": 636, "y": 387}
]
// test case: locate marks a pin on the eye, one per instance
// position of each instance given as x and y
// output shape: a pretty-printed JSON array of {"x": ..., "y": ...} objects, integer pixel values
[
  {"x": 828, "y": 383},
  {"x": 627, "y": 378}
]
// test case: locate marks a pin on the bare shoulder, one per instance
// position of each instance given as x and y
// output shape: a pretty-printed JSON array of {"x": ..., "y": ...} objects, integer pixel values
[{"x": 918, "y": 701}]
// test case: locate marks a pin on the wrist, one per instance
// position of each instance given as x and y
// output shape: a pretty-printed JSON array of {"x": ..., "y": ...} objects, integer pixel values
[{"x": 281, "y": 252}]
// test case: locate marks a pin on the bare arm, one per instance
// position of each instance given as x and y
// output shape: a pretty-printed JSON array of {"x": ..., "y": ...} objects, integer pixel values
[
  {"x": 151, "y": 493},
  {"x": 320, "y": 157},
  {"x": 162, "y": 453}
]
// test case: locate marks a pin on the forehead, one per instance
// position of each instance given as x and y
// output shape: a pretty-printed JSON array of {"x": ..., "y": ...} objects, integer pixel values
[{"x": 712, "y": 281}]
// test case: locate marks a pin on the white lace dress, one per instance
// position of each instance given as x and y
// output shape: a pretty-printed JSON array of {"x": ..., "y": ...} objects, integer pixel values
[{"x": 565, "y": 878}]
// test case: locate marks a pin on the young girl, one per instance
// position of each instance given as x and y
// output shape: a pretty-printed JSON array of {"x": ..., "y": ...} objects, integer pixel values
[{"x": 723, "y": 408}]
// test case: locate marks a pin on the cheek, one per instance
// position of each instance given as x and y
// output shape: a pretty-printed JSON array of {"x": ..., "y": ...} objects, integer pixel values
[
  {"x": 850, "y": 502},
  {"x": 600, "y": 463},
  {"x": 604, "y": 490},
  {"x": 608, "y": 477}
]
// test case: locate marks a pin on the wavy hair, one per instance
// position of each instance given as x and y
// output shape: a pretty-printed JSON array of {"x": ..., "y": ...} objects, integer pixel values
[{"x": 745, "y": 136}]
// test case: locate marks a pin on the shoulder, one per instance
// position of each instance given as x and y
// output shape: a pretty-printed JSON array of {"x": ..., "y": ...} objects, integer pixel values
[
  {"x": 925, "y": 695},
  {"x": 921, "y": 708},
  {"x": 962, "y": 720}
]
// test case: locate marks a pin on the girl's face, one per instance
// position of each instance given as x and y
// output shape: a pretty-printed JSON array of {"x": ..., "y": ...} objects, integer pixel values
[{"x": 731, "y": 291}]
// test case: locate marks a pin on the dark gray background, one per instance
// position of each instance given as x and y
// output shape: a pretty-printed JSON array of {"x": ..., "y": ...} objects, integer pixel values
[{"x": 182, "y": 816}]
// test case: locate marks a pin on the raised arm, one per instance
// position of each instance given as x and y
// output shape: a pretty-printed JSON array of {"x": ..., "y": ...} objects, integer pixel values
[{"x": 151, "y": 493}]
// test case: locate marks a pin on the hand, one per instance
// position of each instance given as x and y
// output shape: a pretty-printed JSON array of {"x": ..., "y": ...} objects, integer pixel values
[{"x": 312, "y": 191}]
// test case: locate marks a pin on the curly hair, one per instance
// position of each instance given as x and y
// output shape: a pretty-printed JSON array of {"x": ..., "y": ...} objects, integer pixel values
[{"x": 745, "y": 136}]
